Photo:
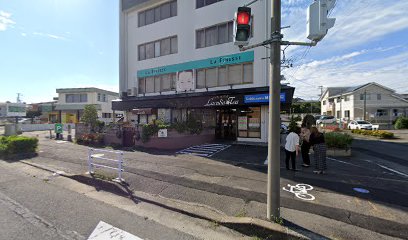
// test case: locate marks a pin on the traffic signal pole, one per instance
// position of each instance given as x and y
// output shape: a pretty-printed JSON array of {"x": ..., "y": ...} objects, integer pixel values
[
  {"x": 273, "y": 197},
  {"x": 317, "y": 29}
]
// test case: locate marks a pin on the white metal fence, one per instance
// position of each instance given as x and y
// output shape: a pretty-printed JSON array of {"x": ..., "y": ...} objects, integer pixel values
[{"x": 114, "y": 158}]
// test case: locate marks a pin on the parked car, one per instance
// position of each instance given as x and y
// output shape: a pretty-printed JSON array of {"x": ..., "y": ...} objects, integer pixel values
[
  {"x": 326, "y": 119},
  {"x": 284, "y": 128},
  {"x": 25, "y": 121},
  {"x": 360, "y": 124}
]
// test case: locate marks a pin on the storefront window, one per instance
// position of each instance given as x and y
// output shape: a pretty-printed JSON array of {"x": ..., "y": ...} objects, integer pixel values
[{"x": 249, "y": 123}]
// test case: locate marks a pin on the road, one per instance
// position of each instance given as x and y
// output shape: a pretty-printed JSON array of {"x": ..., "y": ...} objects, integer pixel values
[
  {"x": 39, "y": 205},
  {"x": 237, "y": 176}
]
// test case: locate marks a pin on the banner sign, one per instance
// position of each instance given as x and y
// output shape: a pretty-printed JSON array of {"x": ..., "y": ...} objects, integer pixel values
[
  {"x": 262, "y": 98},
  {"x": 206, "y": 63}
]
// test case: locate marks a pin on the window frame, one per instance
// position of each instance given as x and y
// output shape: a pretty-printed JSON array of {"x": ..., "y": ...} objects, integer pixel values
[
  {"x": 157, "y": 48},
  {"x": 172, "y": 5},
  {"x": 204, "y": 38}
]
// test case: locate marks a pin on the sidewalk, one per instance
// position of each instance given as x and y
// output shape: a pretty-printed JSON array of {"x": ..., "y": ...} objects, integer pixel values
[{"x": 220, "y": 187}]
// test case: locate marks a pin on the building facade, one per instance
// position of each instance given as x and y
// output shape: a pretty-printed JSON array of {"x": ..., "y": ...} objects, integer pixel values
[
  {"x": 72, "y": 101},
  {"x": 381, "y": 104},
  {"x": 178, "y": 60}
]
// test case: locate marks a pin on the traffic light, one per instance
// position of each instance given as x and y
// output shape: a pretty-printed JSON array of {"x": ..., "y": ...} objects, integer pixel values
[
  {"x": 317, "y": 22},
  {"x": 242, "y": 26}
]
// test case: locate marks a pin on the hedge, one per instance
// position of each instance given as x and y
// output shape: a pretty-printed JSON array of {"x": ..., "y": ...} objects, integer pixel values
[
  {"x": 338, "y": 140},
  {"x": 401, "y": 123},
  {"x": 17, "y": 145},
  {"x": 374, "y": 133}
]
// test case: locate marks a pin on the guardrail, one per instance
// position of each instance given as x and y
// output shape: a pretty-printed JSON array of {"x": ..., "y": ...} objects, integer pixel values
[{"x": 93, "y": 154}]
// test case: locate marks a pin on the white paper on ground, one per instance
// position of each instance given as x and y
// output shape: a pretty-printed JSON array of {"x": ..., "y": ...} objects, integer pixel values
[{"x": 104, "y": 231}]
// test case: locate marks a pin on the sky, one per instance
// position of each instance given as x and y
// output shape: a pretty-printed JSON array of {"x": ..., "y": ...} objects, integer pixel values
[{"x": 49, "y": 44}]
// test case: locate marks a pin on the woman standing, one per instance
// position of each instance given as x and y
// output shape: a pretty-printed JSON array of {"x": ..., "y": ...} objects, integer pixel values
[
  {"x": 305, "y": 147},
  {"x": 319, "y": 148}
]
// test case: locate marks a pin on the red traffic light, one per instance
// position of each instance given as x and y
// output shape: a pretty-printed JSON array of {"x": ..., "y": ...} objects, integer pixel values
[{"x": 243, "y": 18}]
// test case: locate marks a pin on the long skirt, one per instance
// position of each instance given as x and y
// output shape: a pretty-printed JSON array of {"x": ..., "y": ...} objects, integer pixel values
[{"x": 320, "y": 156}]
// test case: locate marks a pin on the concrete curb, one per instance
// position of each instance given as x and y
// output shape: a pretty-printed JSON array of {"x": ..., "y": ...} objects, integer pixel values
[{"x": 245, "y": 225}]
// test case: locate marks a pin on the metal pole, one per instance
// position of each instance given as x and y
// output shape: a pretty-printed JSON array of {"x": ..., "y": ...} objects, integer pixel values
[
  {"x": 120, "y": 166},
  {"x": 273, "y": 197},
  {"x": 365, "y": 105},
  {"x": 341, "y": 109},
  {"x": 89, "y": 160}
]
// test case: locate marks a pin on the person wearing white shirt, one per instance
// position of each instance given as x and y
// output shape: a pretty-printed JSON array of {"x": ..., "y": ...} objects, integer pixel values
[{"x": 292, "y": 147}]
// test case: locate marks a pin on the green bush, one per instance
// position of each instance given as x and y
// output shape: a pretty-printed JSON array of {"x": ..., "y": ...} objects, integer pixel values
[
  {"x": 374, "y": 133},
  {"x": 401, "y": 123},
  {"x": 17, "y": 145},
  {"x": 338, "y": 140}
]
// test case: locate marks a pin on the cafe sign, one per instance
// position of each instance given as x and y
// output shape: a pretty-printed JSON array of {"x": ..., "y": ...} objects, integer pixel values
[{"x": 224, "y": 100}]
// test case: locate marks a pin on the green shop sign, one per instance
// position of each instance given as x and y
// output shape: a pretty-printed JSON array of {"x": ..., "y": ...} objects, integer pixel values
[{"x": 206, "y": 63}]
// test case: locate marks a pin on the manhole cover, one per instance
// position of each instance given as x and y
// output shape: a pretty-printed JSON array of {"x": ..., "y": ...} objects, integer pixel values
[{"x": 361, "y": 190}]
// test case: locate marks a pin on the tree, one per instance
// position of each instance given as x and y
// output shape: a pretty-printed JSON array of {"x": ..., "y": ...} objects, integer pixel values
[
  {"x": 309, "y": 121},
  {"x": 90, "y": 116},
  {"x": 32, "y": 114}
]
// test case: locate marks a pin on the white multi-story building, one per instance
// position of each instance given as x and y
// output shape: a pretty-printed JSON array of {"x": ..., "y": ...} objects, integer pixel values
[
  {"x": 177, "y": 59},
  {"x": 72, "y": 101},
  {"x": 381, "y": 104}
]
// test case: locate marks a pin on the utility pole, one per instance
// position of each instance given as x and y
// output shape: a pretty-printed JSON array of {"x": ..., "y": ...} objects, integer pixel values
[
  {"x": 365, "y": 105},
  {"x": 273, "y": 198},
  {"x": 341, "y": 109},
  {"x": 321, "y": 90}
]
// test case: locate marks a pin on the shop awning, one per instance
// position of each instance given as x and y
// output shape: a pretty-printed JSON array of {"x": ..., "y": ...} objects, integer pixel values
[{"x": 213, "y": 99}]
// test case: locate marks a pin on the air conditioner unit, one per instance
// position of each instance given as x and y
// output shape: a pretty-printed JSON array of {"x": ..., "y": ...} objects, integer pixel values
[{"x": 132, "y": 91}]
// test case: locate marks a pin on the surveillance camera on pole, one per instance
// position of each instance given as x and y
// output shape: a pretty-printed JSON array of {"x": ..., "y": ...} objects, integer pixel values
[
  {"x": 242, "y": 26},
  {"x": 318, "y": 22}
]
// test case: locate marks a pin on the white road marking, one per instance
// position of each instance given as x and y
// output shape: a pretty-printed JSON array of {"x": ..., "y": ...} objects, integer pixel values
[
  {"x": 392, "y": 170},
  {"x": 381, "y": 166},
  {"x": 205, "y": 150},
  {"x": 300, "y": 191},
  {"x": 104, "y": 231}
]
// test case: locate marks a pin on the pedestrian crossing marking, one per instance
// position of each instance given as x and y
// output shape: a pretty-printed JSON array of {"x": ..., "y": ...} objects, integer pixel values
[{"x": 205, "y": 150}]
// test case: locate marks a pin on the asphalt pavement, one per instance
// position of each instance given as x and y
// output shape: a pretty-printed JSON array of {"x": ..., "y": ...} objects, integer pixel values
[
  {"x": 40, "y": 205},
  {"x": 237, "y": 176}
]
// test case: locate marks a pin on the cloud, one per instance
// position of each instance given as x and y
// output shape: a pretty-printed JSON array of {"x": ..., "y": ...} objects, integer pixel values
[
  {"x": 50, "y": 36},
  {"x": 5, "y": 21},
  {"x": 24, "y": 34},
  {"x": 349, "y": 70}
]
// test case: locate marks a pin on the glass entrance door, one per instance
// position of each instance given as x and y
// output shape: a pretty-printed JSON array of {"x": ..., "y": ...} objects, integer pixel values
[{"x": 226, "y": 124}]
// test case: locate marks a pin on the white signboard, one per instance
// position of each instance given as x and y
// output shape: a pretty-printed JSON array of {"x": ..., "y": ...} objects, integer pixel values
[
  {"x": 162, "y": 133},
  {"x": 185, "y": 81},
  {"x": 104, "y": 231}
]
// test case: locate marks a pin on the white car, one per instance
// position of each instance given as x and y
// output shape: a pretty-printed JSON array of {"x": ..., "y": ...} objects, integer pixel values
[
  {"x": 326, "y": 119},
  {"x": 360, "y": 124}
]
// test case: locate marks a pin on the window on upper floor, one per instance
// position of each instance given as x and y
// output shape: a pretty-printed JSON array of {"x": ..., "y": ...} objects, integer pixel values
[
  {"x": 76, "y": 98},
  {"x": 214, "y": 35},
  {"x": 324, "y": 102},
  {"x": 161, "y": 12},
  {"x": 158, "y": 48},
  {"x": 157, "y": 84},
  {"x": 224, "y": 76},
  {"x": 203, "y": 3},
  {"x": 347, "y": 98},
  {"x": 378, "y": 96}
]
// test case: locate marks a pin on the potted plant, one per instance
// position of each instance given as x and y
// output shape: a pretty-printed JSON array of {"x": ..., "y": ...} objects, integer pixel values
[{"x": 338, "y": 144}]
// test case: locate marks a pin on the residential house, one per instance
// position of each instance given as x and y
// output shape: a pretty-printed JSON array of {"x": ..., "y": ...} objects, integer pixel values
[
  {"x": 177, "y": 59},
  {"x": 379, "y": 103},
  {"x": 72, "y": 101}
]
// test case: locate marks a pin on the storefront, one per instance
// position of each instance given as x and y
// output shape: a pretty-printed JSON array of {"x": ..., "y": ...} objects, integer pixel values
[{"x": 237, "y": 114}]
